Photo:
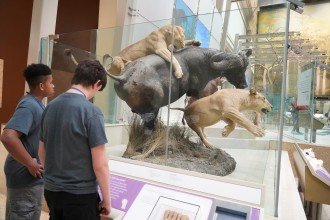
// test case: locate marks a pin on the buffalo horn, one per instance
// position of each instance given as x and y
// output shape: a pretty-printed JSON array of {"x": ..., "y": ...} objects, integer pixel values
[{"x": 222, "y": 61}]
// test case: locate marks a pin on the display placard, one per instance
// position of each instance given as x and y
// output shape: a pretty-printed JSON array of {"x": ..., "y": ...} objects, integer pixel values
[
  {"x": 304, "y": 86},
  {"x": 140, "y": 200},
  {"x": 142, "y": 192},
  {"x": 135, "y": 199},
  {"x": 231, "y": 190},
  {"x": 153, "y": 201}
]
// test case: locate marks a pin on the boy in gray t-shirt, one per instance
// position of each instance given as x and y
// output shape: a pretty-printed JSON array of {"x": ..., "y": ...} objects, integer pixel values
[
  {"x": 72, "y": 149},
  {"x": 21, "y": 139}
]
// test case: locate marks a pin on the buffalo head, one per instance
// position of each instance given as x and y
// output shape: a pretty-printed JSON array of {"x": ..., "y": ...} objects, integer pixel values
[{"x": 232, "y": 66}]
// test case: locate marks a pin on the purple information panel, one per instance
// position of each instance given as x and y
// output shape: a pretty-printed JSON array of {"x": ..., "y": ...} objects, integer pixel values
[
  {"x": 255, "y": 214},
  {"x": 123, "y": 192},
  {"x": 323, "y": 173}
]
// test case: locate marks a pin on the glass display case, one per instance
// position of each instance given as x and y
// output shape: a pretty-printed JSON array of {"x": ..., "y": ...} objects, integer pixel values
[{"x": 143, "y": 112}]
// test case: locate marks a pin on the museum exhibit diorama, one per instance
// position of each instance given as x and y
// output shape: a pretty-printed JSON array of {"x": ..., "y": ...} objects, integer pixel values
[{"x": 195, "y": 108}]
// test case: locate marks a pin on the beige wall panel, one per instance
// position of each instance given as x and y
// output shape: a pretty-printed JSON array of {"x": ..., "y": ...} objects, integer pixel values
[{"x": 3, "y": 155}]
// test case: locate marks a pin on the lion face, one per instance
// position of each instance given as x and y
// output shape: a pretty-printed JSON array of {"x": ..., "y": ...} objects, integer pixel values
[
  {"x": 177, "y": 36},
  {"x": 259, "y": 102}
]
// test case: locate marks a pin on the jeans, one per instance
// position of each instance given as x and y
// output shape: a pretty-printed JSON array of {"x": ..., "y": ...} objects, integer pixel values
[
  {"x": 24, "y": 203},
  {"x": 67, "y": 206}
]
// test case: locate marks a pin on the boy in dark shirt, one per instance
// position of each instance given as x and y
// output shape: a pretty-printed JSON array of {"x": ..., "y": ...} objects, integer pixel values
[
  {"x": 21, "y": 139},
  {"x": 72, "y": 149}
]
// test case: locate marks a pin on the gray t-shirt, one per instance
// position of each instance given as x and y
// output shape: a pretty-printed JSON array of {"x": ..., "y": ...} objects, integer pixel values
[
  {"x": 26, "y": 119},
  {"x": 70, "y": 127}
]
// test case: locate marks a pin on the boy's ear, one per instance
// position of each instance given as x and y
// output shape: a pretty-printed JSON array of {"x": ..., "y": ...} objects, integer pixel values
[
  {"x": 41, "y": 86},
  {"x": 97, "y": 84}
]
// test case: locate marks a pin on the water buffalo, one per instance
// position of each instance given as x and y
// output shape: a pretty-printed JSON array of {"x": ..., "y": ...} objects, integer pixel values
[{"x": 144, "y": 83}]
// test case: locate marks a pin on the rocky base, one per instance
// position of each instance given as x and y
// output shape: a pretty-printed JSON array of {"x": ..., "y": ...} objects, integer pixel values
[
  {"x": 183, "y": 151},
  {"x": 211, "y": 161}
]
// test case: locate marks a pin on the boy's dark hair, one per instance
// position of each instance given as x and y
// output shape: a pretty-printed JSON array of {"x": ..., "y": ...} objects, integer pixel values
[
  {"x": 35, "y": 73},
  {"x": 88, "y": 72}
]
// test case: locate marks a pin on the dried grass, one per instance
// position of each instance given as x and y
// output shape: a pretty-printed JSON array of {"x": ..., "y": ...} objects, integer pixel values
[{"x": 141, "y": 139}]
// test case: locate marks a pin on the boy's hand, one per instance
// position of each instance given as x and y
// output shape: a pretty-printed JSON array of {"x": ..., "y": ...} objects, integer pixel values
[
  {"x": 105, "y": 208},
  {"x": 35, "y": 168}
]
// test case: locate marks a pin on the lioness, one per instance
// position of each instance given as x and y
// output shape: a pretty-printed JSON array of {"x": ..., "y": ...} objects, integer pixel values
[
  {"x": 226, "y": 105},
  {"x": 157, "y": 42},
  {"x": 210, "y": 88}
]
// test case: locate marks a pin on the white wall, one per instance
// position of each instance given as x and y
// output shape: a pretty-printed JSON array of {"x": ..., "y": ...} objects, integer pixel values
[
  {"x": 151, "y": 10},
  {"x": 206, "y": 7},
  {"x": 42, "y": 24},
  {"x": 193, "y": 5},
  {"x": 236, "y": 23},
  {"x": 216, "y": 30}
]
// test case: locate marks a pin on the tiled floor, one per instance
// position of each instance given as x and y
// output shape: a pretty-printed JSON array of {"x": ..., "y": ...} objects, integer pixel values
[{"x": 322, "y": 136}]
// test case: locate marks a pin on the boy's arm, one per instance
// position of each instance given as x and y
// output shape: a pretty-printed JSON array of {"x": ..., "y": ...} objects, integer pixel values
[
  {"x": 101, "y": 169},
  {"x": 11, "y": 140}
]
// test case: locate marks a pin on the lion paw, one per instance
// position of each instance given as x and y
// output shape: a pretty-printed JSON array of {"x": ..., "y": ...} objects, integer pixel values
[
  {"x": 178, "y": 74},
  {"x": 196, "y": 43},
  {"x": 207, "y": 144},
  {"x": 225, "y": 133},
  {"x": 259, "y": 132}
]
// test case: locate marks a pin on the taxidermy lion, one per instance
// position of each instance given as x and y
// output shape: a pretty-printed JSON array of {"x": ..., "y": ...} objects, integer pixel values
[
  {"x": 157, "y": 42},
  {"x": 210, "y": 88},
  {"x": 226, "y": 105}
]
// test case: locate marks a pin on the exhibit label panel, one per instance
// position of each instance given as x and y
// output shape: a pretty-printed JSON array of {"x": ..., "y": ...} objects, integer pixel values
[
  {"x": 139, "y": 198},
  {"x": 304, "y": 86}
]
